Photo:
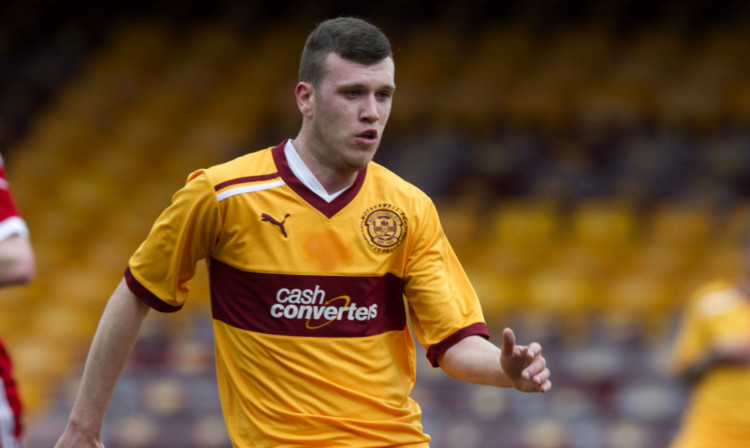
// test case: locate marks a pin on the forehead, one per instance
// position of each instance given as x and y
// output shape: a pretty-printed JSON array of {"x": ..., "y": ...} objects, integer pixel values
[{"x": 340, "y": 71}]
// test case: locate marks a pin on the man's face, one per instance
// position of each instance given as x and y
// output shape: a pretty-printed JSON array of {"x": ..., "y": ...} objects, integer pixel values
[{"x": 350, "y": 108}]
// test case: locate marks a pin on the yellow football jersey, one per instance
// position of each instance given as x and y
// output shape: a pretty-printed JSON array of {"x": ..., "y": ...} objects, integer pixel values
[
  {"x": 718, "y": 414},
  {"x": 310, "y": 299}
]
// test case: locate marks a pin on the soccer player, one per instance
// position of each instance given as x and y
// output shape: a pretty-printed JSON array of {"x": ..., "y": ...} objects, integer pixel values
[
  {"x": 16, "y": 267},
  {"x": 318, "y": 257},
  {"x": 712, "y": 355}
]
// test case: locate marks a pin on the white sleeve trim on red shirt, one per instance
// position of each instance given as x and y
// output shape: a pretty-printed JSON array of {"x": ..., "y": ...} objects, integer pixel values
[{"x": 15, "y": 225}]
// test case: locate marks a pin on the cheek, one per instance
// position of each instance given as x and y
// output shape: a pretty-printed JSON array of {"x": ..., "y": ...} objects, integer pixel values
[
  {"x": 385, "y": 111},
  {"x": 324, "y": 118},
  {"x": 331, "y": 114}
]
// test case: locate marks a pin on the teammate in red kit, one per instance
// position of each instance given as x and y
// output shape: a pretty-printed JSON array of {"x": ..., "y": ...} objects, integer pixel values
[
  {"x": 322, "y": 264},
  {"x": 16, "y": 267}
]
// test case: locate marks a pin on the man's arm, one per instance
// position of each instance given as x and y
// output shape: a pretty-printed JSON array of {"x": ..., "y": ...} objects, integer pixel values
[
  {"x": 737, "y": 354},
  {"x": 476, "y": 360},
  {"x": 113, "y": 343},
  {"x": 16, "y": 260}
]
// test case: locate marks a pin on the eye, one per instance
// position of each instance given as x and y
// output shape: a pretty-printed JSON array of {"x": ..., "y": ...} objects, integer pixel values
[
  {"x": 384, "y": 95},
  {"x": 352, "y": 93}
]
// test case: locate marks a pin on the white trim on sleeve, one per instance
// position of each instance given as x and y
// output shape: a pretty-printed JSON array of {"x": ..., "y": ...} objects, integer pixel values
[{"x": 15, "y": 225}]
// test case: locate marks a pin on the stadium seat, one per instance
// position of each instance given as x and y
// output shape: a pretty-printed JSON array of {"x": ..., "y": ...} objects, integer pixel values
[{"x": 526, "y": 227}]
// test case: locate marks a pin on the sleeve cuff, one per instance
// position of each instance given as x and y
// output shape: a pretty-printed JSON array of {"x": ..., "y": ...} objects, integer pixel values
[
  {"x": 478, "y": 329},
  {"x": 147, "y": 296},
  {"x": 14, "y": 225}
]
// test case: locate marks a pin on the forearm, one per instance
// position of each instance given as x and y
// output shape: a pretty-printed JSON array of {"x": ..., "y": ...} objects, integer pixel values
[
  {"x": 114, "y": 340},
  {"x": 474, "y": 360}
]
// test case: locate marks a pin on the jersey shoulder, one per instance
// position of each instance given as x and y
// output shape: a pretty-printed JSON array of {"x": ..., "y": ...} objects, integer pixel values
[
  {"x": 252, "y": 167},
  {"x": 711, "y": 288},
  {"x": 383, "y": 176},
  {"x": 714, "y": 297}
]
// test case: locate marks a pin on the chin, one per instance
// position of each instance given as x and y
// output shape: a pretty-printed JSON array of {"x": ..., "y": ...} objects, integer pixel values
[
  {"x": 362, "y": 155},
  {"x": 358, "y": 163}
]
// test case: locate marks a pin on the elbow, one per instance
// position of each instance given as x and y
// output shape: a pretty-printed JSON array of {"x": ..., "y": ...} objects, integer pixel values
[
  {"x": 27, "y": 271},
  {"x": 20, "y": 273},
  {"x": 17, "y": 261},
  {"x": 26, "y": 276},
  {"x": 20, "y": 278}
]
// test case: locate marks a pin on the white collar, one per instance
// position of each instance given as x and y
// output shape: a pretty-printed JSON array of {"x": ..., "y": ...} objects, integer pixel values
[{"x": 306, "y": 176}]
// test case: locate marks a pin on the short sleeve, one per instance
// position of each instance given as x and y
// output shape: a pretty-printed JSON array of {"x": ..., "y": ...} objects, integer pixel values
[
  {"x": 185, "y": 233},
  {"x": 11, "y": 222},
  {"x": 710, "y": 320},
  {"x": 443, "y": 305},
  {"x": 689, "y": 343}
]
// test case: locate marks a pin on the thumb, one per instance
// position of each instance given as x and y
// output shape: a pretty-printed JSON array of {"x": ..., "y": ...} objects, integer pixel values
[{"x": 509, "y": 342}]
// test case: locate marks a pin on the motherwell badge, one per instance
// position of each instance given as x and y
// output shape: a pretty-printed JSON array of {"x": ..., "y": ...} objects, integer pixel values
[{"x": 383, "y": 227}]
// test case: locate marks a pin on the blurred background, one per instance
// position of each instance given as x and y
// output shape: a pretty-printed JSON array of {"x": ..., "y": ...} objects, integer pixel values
[{"x": 590, "y": 161}]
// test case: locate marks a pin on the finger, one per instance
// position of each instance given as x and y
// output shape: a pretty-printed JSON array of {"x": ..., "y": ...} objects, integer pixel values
[
  {"x": 545, "y": 387},
  {"x": 535, "y": 368},
  {"x": 541, "y": 377},
  {"x": 533, "y": 350},
  {"x": 509, "y": 342}
]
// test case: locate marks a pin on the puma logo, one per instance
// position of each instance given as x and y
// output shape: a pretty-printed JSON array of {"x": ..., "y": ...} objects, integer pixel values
[{"x": 268, "y": 218}]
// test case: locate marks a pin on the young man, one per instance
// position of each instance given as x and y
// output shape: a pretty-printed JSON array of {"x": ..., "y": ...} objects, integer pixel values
[
  {"x": 712, "y": 355},
  {"x": 16, "y": 267},
  {"x": 317, "y": 258}
]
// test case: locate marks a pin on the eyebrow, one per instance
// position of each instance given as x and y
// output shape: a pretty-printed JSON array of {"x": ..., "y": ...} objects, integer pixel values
[{"x": 359, "y": 85}]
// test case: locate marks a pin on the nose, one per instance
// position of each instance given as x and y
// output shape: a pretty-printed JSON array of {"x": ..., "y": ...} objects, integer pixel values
[{"x": 369, "y": 111}]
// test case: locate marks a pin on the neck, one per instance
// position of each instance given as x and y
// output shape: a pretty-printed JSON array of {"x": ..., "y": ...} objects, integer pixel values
[{"x": 324, "y": 170}]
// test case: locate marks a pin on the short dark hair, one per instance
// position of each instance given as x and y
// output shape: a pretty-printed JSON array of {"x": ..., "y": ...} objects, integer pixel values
[{"x": 351, "y": 38}]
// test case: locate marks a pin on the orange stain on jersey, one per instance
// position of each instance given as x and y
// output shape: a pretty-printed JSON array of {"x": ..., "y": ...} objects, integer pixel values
[{"x": 328, "y": 249}]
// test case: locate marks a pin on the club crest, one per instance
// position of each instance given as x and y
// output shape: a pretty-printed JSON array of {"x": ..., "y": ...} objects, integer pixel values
[{"x": 383, "y": 227}]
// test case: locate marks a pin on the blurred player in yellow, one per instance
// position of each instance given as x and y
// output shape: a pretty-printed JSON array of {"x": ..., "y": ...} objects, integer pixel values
[
  {"x": 712, "y": 354},
  {"x": 318, "y": 259},
  {"x": 16, "y": 267}
]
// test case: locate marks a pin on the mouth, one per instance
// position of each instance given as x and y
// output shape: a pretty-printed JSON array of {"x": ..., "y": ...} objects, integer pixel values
[{"x": 369, "y": 136}]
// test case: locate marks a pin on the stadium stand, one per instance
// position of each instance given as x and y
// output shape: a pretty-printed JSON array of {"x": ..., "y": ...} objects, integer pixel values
[{"x": 591, "y": 169}]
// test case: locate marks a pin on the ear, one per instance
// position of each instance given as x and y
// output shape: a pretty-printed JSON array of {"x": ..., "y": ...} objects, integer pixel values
[{"x": 305, "y": 98}]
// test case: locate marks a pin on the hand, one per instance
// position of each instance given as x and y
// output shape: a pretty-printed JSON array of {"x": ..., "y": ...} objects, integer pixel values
[{"x": 524, "y": 366}]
